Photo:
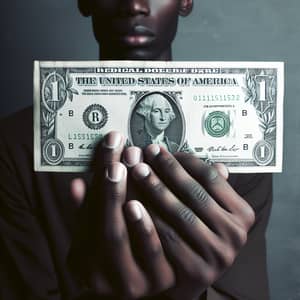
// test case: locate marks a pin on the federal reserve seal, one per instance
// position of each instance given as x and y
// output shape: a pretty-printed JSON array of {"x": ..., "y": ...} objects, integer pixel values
[
  {"x": 263, "y": 153},
  {"x": 95, "y": 116},
  {"x": 217, "y": 124}
]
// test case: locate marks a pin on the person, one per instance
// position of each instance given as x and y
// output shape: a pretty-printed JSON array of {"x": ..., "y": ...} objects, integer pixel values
[
  {"x": 158, "y": 115},
  {"x": 190, "y": 233}
]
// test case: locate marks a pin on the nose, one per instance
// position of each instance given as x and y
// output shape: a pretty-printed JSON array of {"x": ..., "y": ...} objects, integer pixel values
[
  {"x": 163, "y": 116},
  {"x": 135, "y": 7}
]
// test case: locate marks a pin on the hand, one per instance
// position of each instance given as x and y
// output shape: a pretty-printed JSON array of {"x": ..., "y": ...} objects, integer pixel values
[
  {"x": 114, "y": 229},
  {"x": 201, "y": 220}
]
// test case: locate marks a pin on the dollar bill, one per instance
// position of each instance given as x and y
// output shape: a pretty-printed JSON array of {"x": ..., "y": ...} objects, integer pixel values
[{"x": 229, "y": 112}]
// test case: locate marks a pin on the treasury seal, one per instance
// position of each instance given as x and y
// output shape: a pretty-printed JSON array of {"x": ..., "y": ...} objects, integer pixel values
[
  {"x": 95, "y": 116},
  {"x": 217, "y": 124}
]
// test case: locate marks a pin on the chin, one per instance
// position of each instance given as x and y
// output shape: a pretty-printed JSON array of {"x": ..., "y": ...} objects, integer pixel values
[
  {"x": 160, "y": 129},
  {"x": 138, "y": 54}
]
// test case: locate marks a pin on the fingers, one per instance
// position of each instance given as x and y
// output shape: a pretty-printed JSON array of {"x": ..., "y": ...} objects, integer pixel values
[
  {"x": 183, "y": 258},
  {"x": 116, "y": 240},
  {"x": 108, "y": 151},
  {"x": 199, "y": 210},
  {"x": 219, "y": 189},
  {"x": 185, "y": 187},
  {"x": 204, "y": 237},
  {"x": 135, "y": 278},
  {"x": 149, "y": 248},
  {"x": 195, "y": 180},
  {"x": 177, "y": 214}
]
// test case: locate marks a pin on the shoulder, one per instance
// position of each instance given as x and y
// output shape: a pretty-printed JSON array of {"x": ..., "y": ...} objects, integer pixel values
[
  {"x": 17, "y": 129},
  {"x": 16, "y": 141}
]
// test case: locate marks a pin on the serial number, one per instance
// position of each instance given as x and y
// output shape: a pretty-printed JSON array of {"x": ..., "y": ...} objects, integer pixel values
[
  {"x": 216, "y": 97},
  {"x": 84, "y": 136}
]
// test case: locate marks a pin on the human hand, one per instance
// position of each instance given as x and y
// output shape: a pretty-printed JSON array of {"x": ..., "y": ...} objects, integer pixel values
[
  {"x": 121, "y": 254},
  {"x": 201, "y": 220}
]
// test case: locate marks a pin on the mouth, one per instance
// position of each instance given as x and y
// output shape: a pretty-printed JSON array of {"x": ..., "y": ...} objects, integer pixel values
[
  {"x": 163, "y": 124},
  {"x": 138, "y": 35}
]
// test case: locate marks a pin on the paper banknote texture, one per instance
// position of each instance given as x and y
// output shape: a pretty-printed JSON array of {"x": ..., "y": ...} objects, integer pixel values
[{"x": 230, "y": 112}]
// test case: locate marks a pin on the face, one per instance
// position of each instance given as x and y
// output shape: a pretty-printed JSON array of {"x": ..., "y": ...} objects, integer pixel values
[
  {"x": 135, "y": 29},
  {"x": 160, "y": 116}
]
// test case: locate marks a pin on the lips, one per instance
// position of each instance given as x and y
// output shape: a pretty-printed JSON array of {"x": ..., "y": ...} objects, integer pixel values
[{"x": 138, "y": 35}]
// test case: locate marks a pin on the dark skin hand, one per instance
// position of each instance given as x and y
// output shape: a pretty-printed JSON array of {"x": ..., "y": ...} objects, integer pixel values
[
  {"x": 201, "y": 222},
  {"x": 112, "y": 264}
]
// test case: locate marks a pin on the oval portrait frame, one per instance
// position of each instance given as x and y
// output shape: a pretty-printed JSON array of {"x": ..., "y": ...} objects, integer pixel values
[{"x": 171, "y": 133}]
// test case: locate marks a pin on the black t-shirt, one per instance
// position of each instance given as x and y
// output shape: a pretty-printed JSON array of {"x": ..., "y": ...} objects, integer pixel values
[{"x": 37, "y": 217}]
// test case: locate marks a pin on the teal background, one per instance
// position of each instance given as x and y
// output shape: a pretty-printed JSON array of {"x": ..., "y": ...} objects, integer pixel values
[{"x": 217, "y": 30}]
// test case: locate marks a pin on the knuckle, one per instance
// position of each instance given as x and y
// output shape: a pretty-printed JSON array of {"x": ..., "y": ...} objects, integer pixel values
[
  {"x": 210, "y": 175},
  {"x": 249, "y": 216},
  {"x": 115, "y": 194},
  {"x": 155, "y": 251},
  {"x": 163, "y": 281},
  {"x": 156, "y": 185},
  {"x": 169, "y": 280},
  {"x": 209, "y": 276},
  {"x": 168, "y": 161},
  {"x": 115, "y": 238},
  {"x": 169, "y": 236},
  {"x": 133, "y": 291},
  {"x": 224, "y": 254},
  {"x": 246, "y": 218},
  {"x": 195, "y": 272},
  {"x": 198, "y": 193},
  {"x": 227, "y": 257},
  {"x": 186, "y": 214},
  {"x": 164, "y": 284},
  {"x": 240, "y": 237}
]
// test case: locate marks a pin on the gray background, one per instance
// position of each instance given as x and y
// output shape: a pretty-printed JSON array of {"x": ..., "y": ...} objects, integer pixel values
[{"x": 217, "y": 30}]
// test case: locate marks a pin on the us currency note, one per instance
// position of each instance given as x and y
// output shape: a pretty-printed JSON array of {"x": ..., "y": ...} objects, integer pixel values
[{"x": 229, "y": 112}]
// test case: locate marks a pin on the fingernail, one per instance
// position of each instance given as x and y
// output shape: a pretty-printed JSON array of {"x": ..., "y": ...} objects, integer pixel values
[
  {"x": 112, "y": 140},
  {"x": 132, "y": 156},
  {"x": 141, "y": 171},
  {"x": 134, "y": 211},
  {"x": 78, "y": 190},
  {"x": 115, "y": 172},
  {"x": 222, "y": 169},
  {"x": 153, "y": 150}
]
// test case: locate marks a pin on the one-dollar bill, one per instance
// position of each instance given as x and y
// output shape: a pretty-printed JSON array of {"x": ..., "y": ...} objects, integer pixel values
[{"x": 229, "y": 112}]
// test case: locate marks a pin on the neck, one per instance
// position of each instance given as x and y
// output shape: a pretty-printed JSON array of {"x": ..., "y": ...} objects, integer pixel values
[{"x": 109, "y": 54}]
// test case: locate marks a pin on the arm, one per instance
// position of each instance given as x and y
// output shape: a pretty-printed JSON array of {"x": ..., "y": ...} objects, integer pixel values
[
  {"x": 247, "y": 278},
  {"x": 25, "y": 259}
]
